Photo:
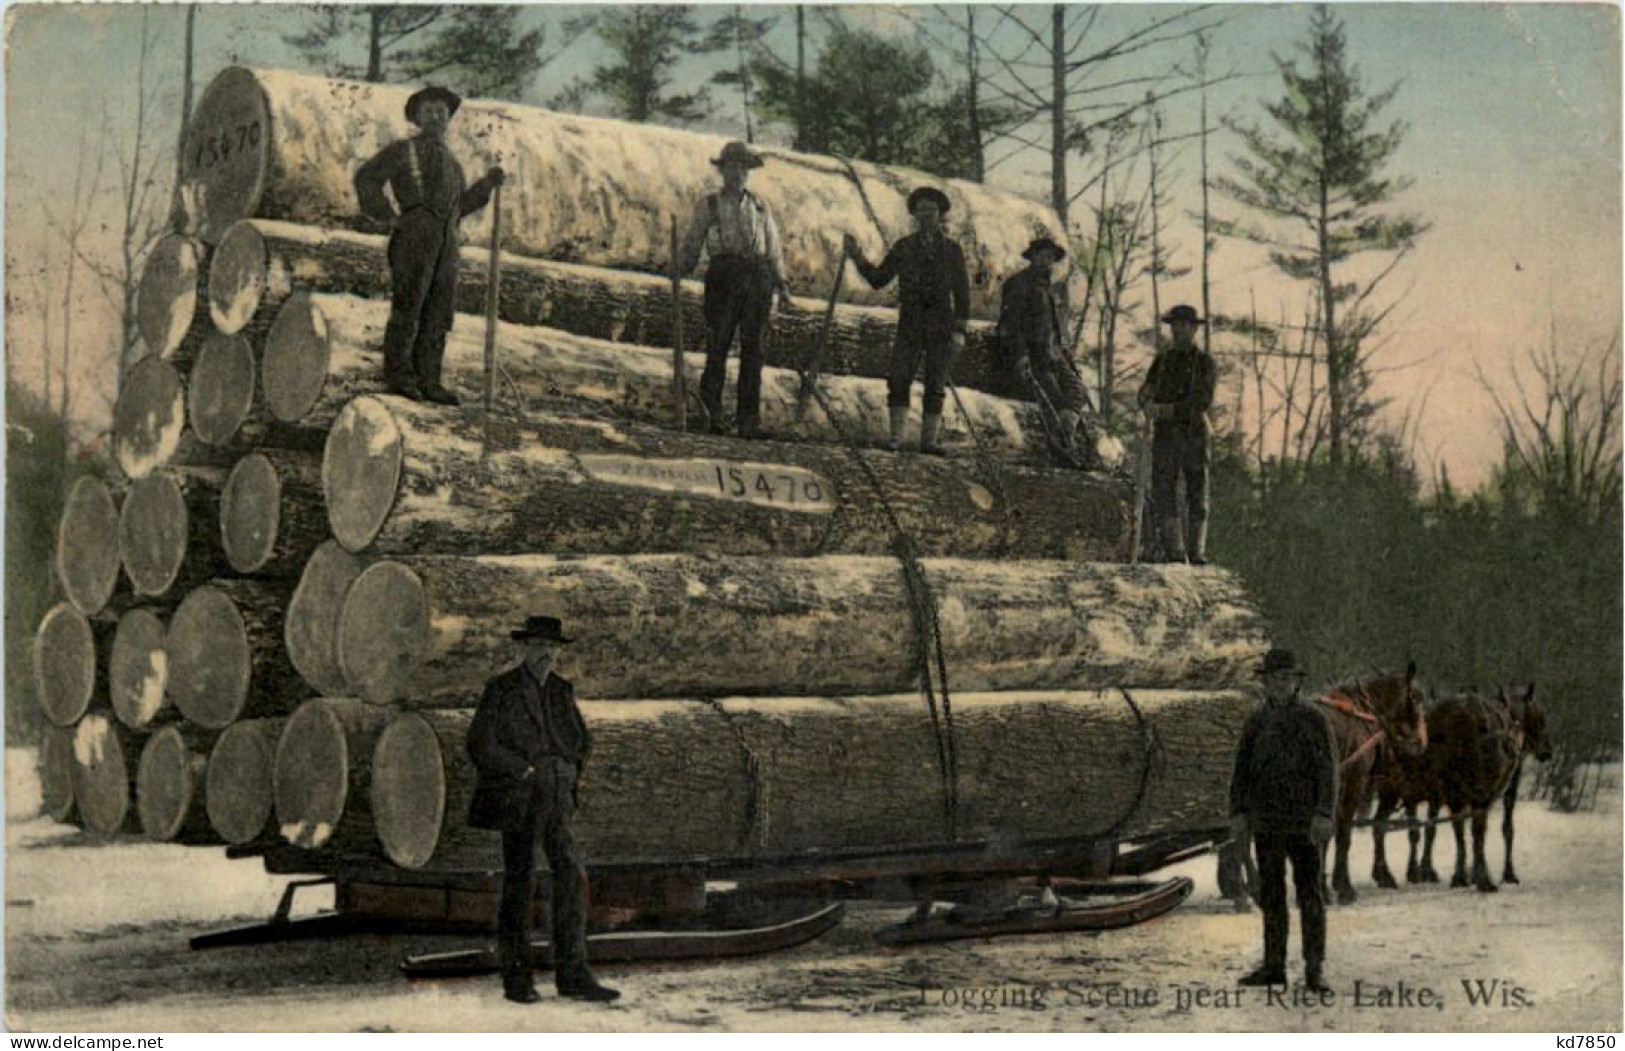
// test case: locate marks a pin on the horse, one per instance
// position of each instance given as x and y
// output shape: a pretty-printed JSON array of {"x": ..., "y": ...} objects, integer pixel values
[
  {"x": 1528, "y": 714},
  {"x": 1368, "y": 718}
]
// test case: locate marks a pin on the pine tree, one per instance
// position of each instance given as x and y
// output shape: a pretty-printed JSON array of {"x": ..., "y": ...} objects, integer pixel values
[{"x": 645, "y": 42}]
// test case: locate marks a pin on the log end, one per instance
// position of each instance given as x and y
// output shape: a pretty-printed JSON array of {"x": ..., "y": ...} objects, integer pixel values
[
  {"x": 210, "y": 660},
  {"x": 56, "y": 773},
  {"x": 87, "y": 539},
  {"x": 166, "y": 784},
  {"x": 101, "y": 775},
  {"x": 310, "y": 781},
  {"x": 237, "y": 786},
  {"x": 149, "y": 417},
  {"x": 408, "y": 791},
  {"x": 237, "y": 277},
  {"x": 221, "y": 389},
  {"x": 224, "y": 154},
  {"x": 293, "y": 365},
  {"x": 251, "y": 513},
  {"x": 152, "y": 533},
  {"x": 361, "y": 470},
  {"x": 138, "y": 670},
  {"x": 64, "y": 660},
  {"x": 310, "y": 629},
  {"x": 383, "y": 632},
  {"x": 167, "y": 299}
]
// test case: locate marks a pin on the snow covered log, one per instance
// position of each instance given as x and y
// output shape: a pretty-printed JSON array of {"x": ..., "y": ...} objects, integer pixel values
[
  {"x": 169, "y": 786},
  {"x": 262, "y": 263},
  {"x": 138, "y": 669},
  {"x": 171, "y": 304},
  {"x": 105, "y": 757},
  {"x": 311, "y": 623},
  {"x": 428, "y": 626},
  {"x": 280, "y": 145},
  {"x": 238, "y": 795},
  {"x": 220, "y": 389},
  {"x": 225, "y": 654},
  {"x": 319, "y": 781},
  {"x": 779, "y": 778},
  {"x": 149, "y": 417},
  {"x": 170, "y": 523},
  {"x": 400, "y": 477},
  {"x": 56, "y": 772},
  {"x": 87, "y": 545}
]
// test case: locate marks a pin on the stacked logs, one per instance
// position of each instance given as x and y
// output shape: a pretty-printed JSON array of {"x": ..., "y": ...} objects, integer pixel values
[{"x": 276, "y": 624}]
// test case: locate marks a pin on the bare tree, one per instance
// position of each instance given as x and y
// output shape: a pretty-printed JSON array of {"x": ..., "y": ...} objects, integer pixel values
[{"x": 70, "y": 227}]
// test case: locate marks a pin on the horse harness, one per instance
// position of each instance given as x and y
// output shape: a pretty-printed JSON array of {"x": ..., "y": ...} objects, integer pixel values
[{"x": 1357, "y": 707}]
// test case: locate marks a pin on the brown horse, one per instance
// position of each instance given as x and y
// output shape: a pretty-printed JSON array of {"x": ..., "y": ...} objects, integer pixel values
[
  {"x": 1369, "y": 718},
  {"x": 1530, "y": 717}
]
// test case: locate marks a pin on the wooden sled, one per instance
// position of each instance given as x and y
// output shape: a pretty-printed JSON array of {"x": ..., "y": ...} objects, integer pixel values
[{"x": 1126, "y": 904}]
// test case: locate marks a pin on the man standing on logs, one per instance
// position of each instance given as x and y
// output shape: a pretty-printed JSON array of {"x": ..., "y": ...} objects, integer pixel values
[
  {"x": 736, "y": 230},
  {"x": 528, "y": 742},
  {"x": 1177, "y": 393},
  {"x": 933, "y": 307},
  {"x": 1283, "y": 794},
  {"x": 1032, "y": 338},
  {"x": 428, "y": 185}
]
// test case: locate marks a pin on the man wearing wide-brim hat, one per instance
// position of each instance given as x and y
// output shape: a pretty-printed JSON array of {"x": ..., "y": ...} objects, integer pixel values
[
  {"x": 1283, "y": 795},
  {"x": 528, "y": 743},
  {"x": 1176, "y": 395},
  {"x": 734, "y": 228},
  {"x": 1032, "y": 341},
  {"x": 429, "y": 187},
  {"x": 933, "y": 308}
]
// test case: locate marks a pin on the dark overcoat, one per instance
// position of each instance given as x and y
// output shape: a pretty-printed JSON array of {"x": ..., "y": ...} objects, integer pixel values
[{"x": 519, "y": 725}]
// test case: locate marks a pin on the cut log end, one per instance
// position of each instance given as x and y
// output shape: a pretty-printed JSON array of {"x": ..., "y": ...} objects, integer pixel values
[
  {"x": 169, "y": 785},
  {"x": 56, "y": 773},
  {"x": 237, "y": 278},
  {"x": 210, "y": 660},
  {"x": 293, "y": 366},
  {"x": 149, "y": 417},
  {"x": 361, "y": 470},
  {"x": 408, "y": 791},
  {"x": 64, "y": 664},
  {"x": 167, "y": 300},
  {"x": 237, "y": 789},
  {"x": 87, "y": 545},
  {"x": 224, "y": 154},
  {"x": 153, "y": 532},
  {"x": 311, "y": 778},
  {"x": 138, "y": 670},
  {"x": 101, "y": 775},
  {"x": 221, "y": 391},
  {"x": 311, "y": 626},
  {"x": 383, "y": 632},
  {"x": 250, "y": 512}
]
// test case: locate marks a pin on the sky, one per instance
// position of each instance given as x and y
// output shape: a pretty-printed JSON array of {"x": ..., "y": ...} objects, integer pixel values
[{"x": 1513, "y": 146}]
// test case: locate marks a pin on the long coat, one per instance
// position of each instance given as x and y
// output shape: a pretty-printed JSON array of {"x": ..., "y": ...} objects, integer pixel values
[
  {"x": 1285, "y": 773},
  {"x": 520, "y": 724}
]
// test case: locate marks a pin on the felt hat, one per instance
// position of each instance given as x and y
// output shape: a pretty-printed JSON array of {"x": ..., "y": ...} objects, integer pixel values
[
  {"x": 432, "y": 93},
  {"x": 738, "y": 152},
  {"x": 929, "y": 193},
  {"x": 541, "y": 629}
]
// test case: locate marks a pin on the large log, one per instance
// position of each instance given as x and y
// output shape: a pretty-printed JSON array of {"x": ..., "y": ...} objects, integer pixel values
[
  {"x": 138, "y": 669},
  {"x": 282, "y": 145},
  {"x": 220, "y": 388},
  {"x": 65, "y": 658},
  {"x": 785, "y": 778},
  {"x": 271, "y": 515},
  {"x": 171, "y": 304},
  {"x": 169, "y": 787},
  {"x": 684, "y": 626},
  {"x": 320, "y": 781},
  {"x": 400, "y": 476},
  {"x": 105, "y": 757},
  {"x": 149, "y": 417},
  {"x": 238, "y": 795},
  {"x": 226, "y": 657},
  {"x": 87, "y": 554},
  {"x": 325, "y": 350},
  {"x": 56, "y": 771},
  {"x": 311, "y": 626},
  {"x": 260, "y": 262},
  {"x": 170, "y": 522}
]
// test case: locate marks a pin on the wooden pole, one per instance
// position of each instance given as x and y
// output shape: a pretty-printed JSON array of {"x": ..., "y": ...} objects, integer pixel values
[
  {"x": 679, "y": 375},
  {"x": 815, "y": 361},
  {"x": 493, "y": 291}
]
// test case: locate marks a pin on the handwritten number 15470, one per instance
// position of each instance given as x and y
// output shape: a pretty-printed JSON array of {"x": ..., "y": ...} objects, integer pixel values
[
  {"x": 217, "y": 148},
  {"x": 740, "y": 483}
]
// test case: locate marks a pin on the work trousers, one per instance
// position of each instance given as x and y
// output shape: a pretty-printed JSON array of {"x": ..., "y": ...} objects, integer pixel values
[
  {"x": 1274, "y": 849},
  {"x": 738, "y": 298},
  {"x": 423, "y": 296},
  {"x": 545, "y": 817},
  {"x": 927, "y": 339},
  {"x": 1174, "y": 456},
  {"x": 1059, "y": 384}
]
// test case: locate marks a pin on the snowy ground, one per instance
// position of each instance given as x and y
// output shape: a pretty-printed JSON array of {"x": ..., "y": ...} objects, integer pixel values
[{"x": 96, "y": 940}]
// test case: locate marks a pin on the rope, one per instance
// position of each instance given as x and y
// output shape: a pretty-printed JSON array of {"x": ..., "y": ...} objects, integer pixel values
[{"x": 1152, "y": 752}]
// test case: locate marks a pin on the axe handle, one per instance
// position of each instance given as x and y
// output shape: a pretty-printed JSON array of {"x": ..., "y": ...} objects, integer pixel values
[
  {"x": 679, "y": 375},
  {"x": 493, "y": 289},
  {"x": 815, "y": 362}
]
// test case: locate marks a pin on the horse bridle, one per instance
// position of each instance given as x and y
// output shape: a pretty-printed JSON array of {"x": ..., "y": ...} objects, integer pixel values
[{"x": 1358, "y": 706}]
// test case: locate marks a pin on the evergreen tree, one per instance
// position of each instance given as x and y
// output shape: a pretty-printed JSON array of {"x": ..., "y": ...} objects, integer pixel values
[{"x": 645, "y": 43}]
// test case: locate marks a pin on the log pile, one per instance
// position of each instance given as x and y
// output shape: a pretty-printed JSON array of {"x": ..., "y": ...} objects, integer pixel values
[{"x": 275, "y": 626}]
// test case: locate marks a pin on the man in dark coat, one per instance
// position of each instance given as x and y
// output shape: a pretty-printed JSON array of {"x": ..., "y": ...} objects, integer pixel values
[
  {"x": 1177, "y": 393},
  {"x": 528, "y": 742},
  {"x": 933, "y": 307},
  {"x": 1032, "y": 339},
  {"x": 428, "y": 185},
  {"x": 1283, "y": 794},
  {"x": 735, "y": 229}
]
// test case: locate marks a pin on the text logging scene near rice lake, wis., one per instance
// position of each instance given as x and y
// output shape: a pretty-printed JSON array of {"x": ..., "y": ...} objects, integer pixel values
[{"x": 894, "y": 519}]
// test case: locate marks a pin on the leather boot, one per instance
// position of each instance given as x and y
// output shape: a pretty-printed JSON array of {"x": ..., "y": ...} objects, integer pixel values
[
  {"x": 1168, "y": 539},
  {"x": 899, "y": 417},
  {"x": 1196, "y": 543},
  {"x": 930, "y": 423}
]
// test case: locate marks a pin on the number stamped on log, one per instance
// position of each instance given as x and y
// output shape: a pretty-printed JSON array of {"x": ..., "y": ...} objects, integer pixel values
[{"x": 769, "y": 485}]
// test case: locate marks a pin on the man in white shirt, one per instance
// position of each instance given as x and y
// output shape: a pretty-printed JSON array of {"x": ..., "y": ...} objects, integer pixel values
[{"x": 736, "y": 231}]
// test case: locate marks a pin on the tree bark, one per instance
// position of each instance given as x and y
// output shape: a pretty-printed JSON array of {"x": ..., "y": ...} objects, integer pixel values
[
  {"x": 226, "y": 656},
  {"x": 238, "y": 782},
  {"x": 220, "y": 393},
  {"x": 169, "y": 786},
  {"x": 149, "y": 417},
  {"x": 105, "y": 758},
  {"x": 401, "y": 477},
  {"x": 785, "y": 778},
  {"x": 87, "y": 545},
  {"x": 426, "y": 627},
  {"x": 171, "y": 301},
  {"x": 138, "y": 669},
  {"x": 310, "y": 632},
  {"x": 66, "y": 659},
  {"x": 323, "y": 761},
  {"x": 271, "y": 513},
  {"x": 169, "y": 529},
  {"x": 56, "y": 774}
]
